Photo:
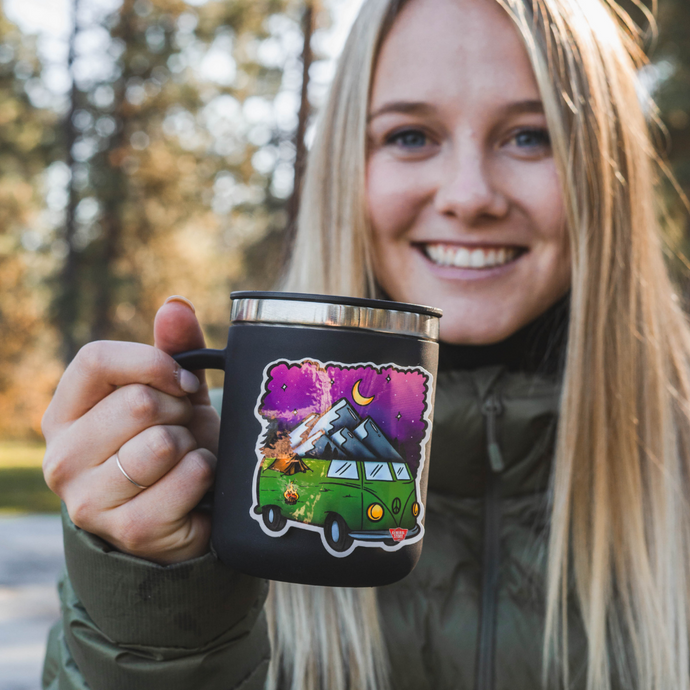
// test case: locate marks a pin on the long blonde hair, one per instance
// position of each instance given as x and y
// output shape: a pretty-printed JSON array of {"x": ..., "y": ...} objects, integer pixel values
[{"x": 620, "y": 533}]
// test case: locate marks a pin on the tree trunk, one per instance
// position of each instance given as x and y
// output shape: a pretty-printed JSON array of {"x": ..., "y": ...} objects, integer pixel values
[
  {"x": 113, "y": 198},
  {"x": 67, "y": 302},
  {"x": 303, "y": 120}
]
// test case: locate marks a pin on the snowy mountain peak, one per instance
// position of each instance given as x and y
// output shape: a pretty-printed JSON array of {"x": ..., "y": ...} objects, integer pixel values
[
  {"x": 374, "y": 440},
  {"x": 341, "y": 433},
  {"x": 340, "y": 416}
]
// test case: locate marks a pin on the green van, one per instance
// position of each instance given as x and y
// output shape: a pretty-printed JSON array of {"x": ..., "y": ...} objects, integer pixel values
[{"x": 366, "y": 500}]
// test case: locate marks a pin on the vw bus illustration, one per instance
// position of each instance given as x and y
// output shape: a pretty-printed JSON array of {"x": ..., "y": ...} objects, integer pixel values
[
  {"x": 345, "y": 477},
  {"x": 335, "y": 471}
]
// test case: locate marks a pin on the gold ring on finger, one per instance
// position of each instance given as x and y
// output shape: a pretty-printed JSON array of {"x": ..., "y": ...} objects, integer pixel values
[{"x": 122, "y": 469}]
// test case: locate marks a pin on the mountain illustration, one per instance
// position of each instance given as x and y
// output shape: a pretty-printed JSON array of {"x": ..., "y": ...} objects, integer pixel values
[
  {"x": 340, "y": 415},
  {"x": 319, "y": 445},
  {"x": 351, "y": 445},
  {"x": 340, "y": 433},
  {"x": 372, "y": 437}
]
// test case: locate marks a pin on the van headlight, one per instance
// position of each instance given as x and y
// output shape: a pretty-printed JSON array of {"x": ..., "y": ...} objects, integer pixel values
[
  {"x": 415, "y": 509},
  {"x": 375, "y": 512}
]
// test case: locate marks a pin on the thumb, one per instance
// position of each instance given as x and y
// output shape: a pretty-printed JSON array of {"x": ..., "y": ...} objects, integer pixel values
[{"x": 176, "y": 329}]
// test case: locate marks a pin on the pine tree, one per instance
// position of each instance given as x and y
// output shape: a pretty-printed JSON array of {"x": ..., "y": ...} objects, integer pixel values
[
  {"x": 27, "y": 145},
  {"x": 164, "y": 190}
]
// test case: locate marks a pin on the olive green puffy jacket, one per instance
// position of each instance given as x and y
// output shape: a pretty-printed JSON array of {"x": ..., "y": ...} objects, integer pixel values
[{"x": 469, "y": 617}]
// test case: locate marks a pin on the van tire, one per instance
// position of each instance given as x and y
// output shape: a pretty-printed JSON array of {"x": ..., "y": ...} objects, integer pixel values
[
  {"x": 273, "y": 518},
  {"x": 336, "y": 533}
]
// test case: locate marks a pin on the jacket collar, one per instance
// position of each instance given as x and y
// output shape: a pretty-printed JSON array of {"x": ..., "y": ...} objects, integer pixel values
[
  {"x": 539, "y": 347},
  {"x": 525, "y": 427}
]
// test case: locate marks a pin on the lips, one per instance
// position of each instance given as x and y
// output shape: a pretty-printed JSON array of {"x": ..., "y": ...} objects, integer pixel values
[{"x": 461, "y": 256}]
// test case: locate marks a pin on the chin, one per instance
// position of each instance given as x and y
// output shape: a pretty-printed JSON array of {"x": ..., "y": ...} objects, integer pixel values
[
  {"x": 476, "y": 322},
  {"x": 487, "y": 325},
  {"x": 461, "y": 335}
]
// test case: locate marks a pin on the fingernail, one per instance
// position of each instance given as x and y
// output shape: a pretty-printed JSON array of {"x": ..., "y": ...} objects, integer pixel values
[
  {"x": 188, "y": 382},
  {"x": 183, "y": 300}
]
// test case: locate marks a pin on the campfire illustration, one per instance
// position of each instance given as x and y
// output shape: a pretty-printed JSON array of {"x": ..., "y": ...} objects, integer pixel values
[{"x": 291, "y": 494}]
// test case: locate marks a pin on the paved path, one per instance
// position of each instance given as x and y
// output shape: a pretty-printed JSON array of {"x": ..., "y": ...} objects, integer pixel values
[{"x": 30, "y": 561}]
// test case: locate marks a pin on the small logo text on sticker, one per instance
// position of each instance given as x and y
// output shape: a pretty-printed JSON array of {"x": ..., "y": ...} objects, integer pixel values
[{"x": 398, "y": 533}]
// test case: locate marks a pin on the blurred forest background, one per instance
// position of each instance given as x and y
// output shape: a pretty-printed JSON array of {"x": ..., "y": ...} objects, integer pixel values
[{"x": 160, "y": 157}]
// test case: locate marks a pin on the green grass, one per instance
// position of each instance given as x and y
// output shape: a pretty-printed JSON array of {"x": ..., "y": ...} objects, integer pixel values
[
  {"x": 18, "y": 454},
  {"x": 22, "y": 488}
]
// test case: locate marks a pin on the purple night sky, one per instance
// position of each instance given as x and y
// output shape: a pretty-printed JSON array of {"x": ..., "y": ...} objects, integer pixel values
[{"x": 296, "y": 390}]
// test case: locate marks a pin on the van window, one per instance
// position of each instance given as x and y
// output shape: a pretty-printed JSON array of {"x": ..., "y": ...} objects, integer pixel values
[
  {"x": 401, "y": 471},
  {"x": 343, "y": 469},
  {"x": 377, "y": 471}
]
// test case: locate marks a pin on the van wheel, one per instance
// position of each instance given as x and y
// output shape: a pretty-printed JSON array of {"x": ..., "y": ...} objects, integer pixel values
[
  {"x": 273, "y": 518},
  {"x": 336, "y": 534}
]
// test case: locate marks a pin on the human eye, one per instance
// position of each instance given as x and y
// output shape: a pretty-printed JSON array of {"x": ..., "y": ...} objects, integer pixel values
[
  {"x": 534, "y": 141},
  {"x": 410, "y": 139}
]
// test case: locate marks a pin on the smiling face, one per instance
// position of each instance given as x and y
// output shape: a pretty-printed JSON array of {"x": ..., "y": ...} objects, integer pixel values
[{"x": 463, "y": 194}]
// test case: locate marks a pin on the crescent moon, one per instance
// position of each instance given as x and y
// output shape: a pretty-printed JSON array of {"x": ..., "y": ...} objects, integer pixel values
[{"x": 358, "y": 397}]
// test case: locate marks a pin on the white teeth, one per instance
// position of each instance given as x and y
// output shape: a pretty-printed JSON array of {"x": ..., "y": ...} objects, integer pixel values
[
  {"x": 431, "y": 253},
  {"x": 477, "y": 259},
  {"x": 462, "y": 257}
]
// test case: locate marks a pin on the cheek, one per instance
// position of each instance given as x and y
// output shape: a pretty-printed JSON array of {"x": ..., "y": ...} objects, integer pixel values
[
  {"x": 541, "y": 198},
  {"x": 392, "y": 199},
  {"x": 547, "y": 209}
]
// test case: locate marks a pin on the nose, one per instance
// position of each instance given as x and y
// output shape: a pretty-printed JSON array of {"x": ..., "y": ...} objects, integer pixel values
[{"x": 469, "y": 189}]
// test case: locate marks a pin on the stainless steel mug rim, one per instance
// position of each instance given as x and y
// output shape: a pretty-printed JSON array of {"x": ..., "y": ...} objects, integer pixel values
[{"x": 299, "y": 309}]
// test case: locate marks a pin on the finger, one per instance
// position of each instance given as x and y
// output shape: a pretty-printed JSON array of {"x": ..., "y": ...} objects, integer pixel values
[
  {"x": 101, "y": 367},
  {"x": 104, "y": 429},
  {"x": 205, "y": 426},
  {"x": 181, "y": 489},
  {"x": 158, "y": 524},
  {"x": 176, "y": 329},
  {"x": 144, "y": 459}
]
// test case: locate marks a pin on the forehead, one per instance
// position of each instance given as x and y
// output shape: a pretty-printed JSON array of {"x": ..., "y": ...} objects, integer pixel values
[{"x": 450, "y": 49}]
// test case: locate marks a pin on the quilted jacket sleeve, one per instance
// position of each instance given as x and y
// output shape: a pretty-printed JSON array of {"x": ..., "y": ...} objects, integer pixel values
[{"x": 130, "y": 624}]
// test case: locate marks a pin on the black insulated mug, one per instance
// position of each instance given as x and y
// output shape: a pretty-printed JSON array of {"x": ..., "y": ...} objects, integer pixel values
[{"x": 325, "y": 437}]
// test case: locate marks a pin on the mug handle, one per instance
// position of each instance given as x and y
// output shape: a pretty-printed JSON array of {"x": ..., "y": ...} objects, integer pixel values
[{"x": 204, "y": 358}]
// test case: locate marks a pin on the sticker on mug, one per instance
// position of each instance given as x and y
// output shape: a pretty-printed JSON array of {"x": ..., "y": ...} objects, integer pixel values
[{"x": 341, "y": 452}]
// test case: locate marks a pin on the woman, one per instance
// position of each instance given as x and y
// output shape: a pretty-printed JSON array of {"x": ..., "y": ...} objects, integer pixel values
[{"x": 491, "y": 158}]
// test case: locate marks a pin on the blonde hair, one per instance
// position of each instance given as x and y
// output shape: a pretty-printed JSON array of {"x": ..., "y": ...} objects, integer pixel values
[
  {"x": 324, "y": 638},
  {"x": 620, "y": 534}
]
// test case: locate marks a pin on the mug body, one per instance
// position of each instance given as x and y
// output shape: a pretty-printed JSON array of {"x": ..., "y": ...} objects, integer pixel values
[{"x": 325, "y": 438}]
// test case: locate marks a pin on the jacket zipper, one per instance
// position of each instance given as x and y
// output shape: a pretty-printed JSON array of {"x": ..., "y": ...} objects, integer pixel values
[{"x": 486, "y": 642}]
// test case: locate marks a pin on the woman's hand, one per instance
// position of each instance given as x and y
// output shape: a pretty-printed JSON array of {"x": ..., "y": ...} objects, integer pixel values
[{"x": 135, "y": 402}]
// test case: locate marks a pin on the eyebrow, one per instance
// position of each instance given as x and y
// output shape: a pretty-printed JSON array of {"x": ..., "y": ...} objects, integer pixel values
[
  {"x": 421, "y": 108},
  {"x": 533, "y": 106},
  {"x": 411, "y": 107}
]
